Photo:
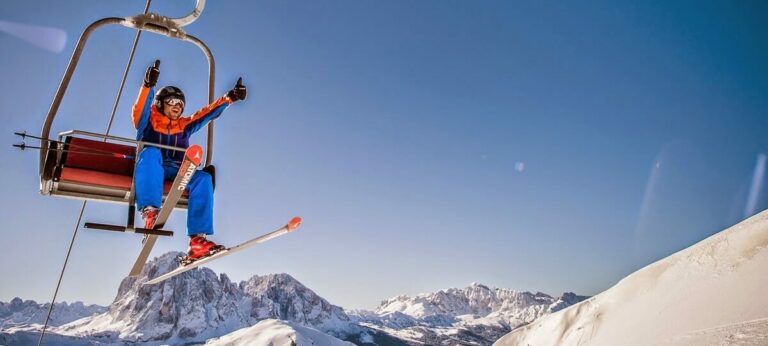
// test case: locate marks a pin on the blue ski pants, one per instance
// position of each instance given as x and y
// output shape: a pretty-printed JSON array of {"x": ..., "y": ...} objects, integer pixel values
[{"x": 150, "y": 176}]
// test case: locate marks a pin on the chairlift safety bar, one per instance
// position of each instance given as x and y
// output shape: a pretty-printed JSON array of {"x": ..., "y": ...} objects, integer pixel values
[{"x": 116, "y": 138}]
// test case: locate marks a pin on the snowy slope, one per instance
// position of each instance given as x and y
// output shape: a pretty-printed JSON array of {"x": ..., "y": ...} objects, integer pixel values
[
  {"x": 275, "y": 332},
  {"x": 29, "y": 335},
  {"x": 713, "y": 292}
]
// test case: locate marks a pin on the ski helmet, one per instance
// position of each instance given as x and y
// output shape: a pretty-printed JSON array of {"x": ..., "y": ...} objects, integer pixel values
[{"x": 167, "y": 92}]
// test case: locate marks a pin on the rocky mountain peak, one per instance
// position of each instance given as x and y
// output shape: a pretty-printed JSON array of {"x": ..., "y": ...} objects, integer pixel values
[
  {"x": 199, "y": 303},
  {"x": 280, "y": 296}
]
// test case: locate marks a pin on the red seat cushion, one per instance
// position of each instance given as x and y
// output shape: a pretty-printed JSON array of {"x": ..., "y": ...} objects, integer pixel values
[
  {"x": 100, "y": 156},
  {"x": 85, "y": 176},
  {"x": 103, "y": 179}
]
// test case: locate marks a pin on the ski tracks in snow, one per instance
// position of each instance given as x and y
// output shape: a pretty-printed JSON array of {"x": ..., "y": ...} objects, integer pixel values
[{"x": 750, "y": 333}]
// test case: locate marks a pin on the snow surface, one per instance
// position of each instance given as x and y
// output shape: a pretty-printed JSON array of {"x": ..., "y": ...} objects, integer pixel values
[
  {"x": 276, "y": 332},
  {"x": 29, "y": 335},
  {"x": 751, "y": 333},
  {"x": 712, "y": 293}
]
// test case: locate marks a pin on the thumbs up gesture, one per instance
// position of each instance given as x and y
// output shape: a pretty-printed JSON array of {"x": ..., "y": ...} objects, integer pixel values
[
  {"x": 239, "y": 92},
  {"x": 153, "y": 73}
]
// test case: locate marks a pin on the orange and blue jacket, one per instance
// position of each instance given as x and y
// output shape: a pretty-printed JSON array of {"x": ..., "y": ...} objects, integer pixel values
[{"x": 154, "y": 127}]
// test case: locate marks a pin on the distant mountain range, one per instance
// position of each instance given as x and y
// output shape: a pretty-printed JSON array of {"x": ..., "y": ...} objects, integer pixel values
[
  {"x": 19, "y": 312},
  {"x": 475, "y": 315},
  {"x": 710, "y": 293},
  {"x": 200, "y": 306}
]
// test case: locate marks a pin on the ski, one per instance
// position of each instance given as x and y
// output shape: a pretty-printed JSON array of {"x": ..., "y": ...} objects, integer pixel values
[
  {"x": 192, "y": 158},
  {"x": 290, "y": 227}
]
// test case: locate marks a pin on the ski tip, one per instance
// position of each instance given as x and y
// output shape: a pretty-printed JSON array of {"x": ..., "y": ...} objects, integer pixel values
[
  {"x": 195, "y": 153},
  {"x": 294, "y": 224}
]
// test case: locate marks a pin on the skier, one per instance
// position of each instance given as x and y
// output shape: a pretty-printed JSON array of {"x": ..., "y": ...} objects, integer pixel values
[{"x": 158, "y": 120}]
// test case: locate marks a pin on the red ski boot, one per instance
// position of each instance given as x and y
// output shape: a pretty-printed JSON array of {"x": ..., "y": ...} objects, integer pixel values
[
  {"x": 149, "y": 215},
  {"x": 200, "y": 247}
]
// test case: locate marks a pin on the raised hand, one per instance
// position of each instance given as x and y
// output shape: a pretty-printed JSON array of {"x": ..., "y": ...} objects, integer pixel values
[
  {"x": 153, "y": 73},
  {"x": 239, "y": 92}
]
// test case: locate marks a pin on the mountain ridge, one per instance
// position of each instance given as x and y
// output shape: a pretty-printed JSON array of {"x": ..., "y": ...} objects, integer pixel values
[
  {"x": 21, "y": 312},
  {"x": 201, "y": 305}
]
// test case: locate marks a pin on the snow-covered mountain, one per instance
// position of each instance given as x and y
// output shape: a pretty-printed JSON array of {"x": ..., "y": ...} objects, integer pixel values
[
  {"x": 476, "y": 314},
  {"x": 280, "y": 296},
  {"x": 201, "y": 306},
  {"x": 475, "y": 300},
  {"x": 19, "y": 312},
  {"x": 712, "y": 293}
]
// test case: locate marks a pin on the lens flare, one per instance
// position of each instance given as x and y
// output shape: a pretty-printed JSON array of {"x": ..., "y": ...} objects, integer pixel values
[
  {"x": 642, "y": 227},
  {"x": 754, "y": 188},
  {"x": 50, "y": 39}
]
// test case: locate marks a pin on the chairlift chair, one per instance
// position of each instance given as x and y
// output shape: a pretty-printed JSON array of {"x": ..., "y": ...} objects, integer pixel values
[{"x": 99, "y": 167}]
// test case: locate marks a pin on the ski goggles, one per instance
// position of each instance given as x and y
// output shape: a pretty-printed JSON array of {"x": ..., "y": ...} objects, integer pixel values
[{"x": 172, "y": 101}]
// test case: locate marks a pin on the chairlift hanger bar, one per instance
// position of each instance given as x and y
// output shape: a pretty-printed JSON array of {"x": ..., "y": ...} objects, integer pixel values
[
  {"x": 173, "y": 24},
  {"x": 150, "y": 26},
  {"x": 188, "y": 19}
]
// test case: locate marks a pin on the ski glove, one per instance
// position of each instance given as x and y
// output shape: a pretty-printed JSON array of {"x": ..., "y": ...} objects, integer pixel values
[
  {"x": 153, "y": 73},
  {"x": 238, "y": 92}
]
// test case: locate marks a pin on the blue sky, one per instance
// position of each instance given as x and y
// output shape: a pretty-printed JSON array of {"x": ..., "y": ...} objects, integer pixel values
[{"x": 529, "y": 145}]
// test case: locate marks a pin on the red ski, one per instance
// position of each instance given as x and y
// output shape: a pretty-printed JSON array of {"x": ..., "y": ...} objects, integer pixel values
[{"x": 290, "y": 227}]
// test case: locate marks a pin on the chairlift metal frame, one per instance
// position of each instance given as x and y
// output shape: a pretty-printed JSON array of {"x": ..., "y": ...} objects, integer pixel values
[{"x": 53, "y": 153}]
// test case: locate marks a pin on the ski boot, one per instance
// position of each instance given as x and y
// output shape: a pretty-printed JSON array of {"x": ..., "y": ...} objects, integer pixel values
[
  {"x": 200, "y": 247},
  {"x": 149, "y": 215}
]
